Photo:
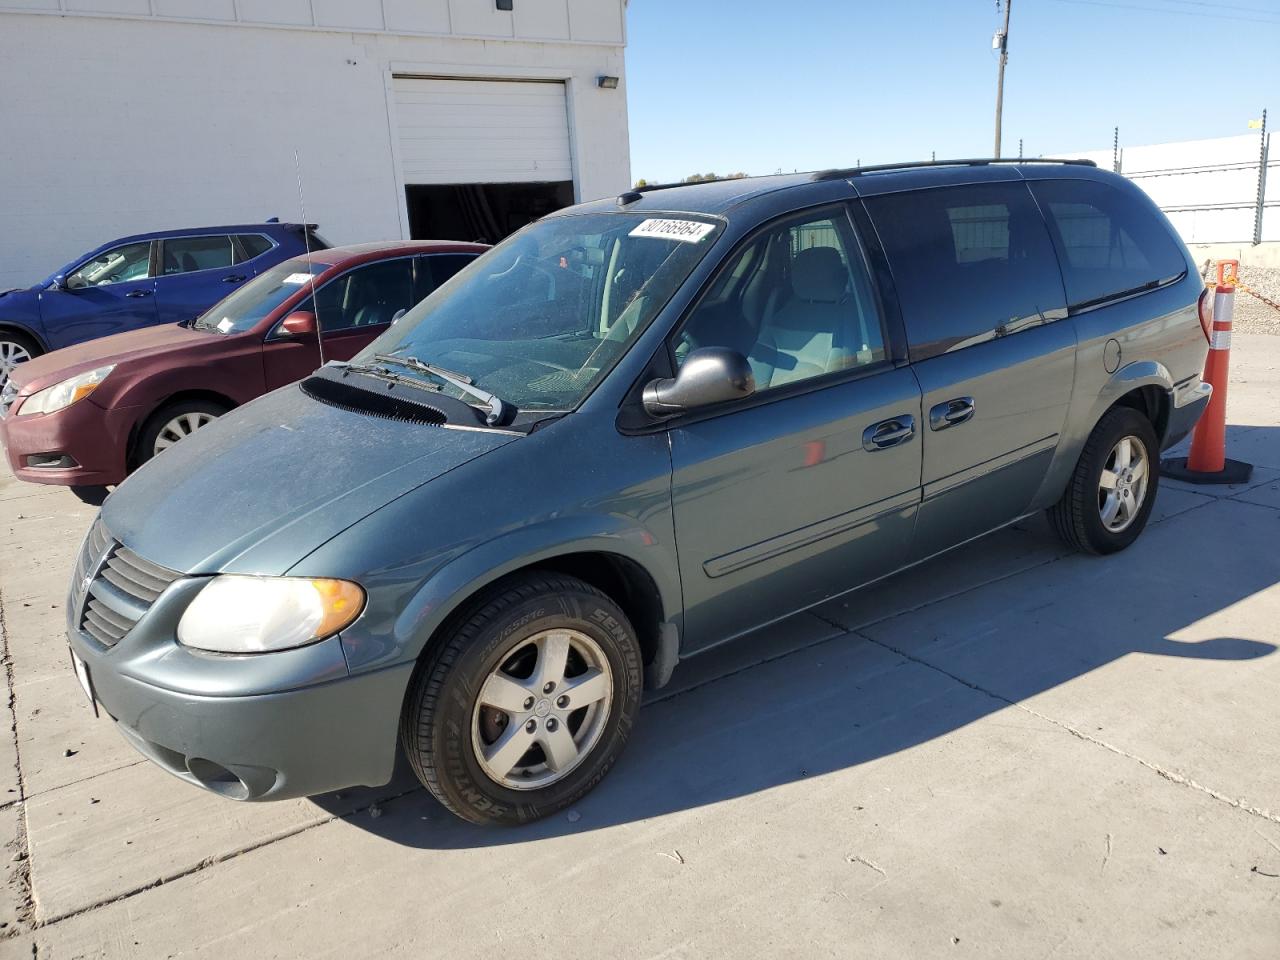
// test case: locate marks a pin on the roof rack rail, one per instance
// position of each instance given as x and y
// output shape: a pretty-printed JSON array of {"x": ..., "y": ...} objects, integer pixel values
[
  {"x": 918, "y": 164},
  {"x": 635, "y": 193}
]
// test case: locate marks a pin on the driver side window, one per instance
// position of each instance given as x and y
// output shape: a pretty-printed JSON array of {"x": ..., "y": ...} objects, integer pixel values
[
  {"x": 367, "y": 296},
  {"x": 797, "y": 301},
  {"x": 130, "y": 261}
]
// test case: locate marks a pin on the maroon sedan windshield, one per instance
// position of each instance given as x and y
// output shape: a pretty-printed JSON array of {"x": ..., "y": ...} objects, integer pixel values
[{"x": 257, "y": 298}]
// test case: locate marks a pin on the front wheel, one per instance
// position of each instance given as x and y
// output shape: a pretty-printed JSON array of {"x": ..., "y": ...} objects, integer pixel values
[
  {"x": 174, "y": 423},
  {"x": 15, "y": 348},
  {"x": 527, "y": 703},
  {"x": 1113, "y": 488}
]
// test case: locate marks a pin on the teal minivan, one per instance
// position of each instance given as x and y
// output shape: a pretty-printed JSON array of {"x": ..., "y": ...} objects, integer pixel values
[{"x": 637, "y": 429}]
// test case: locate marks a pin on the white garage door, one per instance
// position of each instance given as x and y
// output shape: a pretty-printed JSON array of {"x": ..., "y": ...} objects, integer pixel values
[{"x": 482, "y": 131}]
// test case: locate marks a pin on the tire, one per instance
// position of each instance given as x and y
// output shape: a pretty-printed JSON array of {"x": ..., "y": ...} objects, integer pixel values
[
  {"x": 15, "y": 348},
  {"x": 193, "y": 413},
  {"x": 509, "y": 631},
  {"x": 1079, "y": 518}
]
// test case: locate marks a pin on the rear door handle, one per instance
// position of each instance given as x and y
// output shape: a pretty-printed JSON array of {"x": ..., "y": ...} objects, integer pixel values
[
  {"x": 138, "y": 293},
  {"x": 235, "y": 278},
  {"x": 950, "y": 413},
  {"x": 889, "y": 433}
]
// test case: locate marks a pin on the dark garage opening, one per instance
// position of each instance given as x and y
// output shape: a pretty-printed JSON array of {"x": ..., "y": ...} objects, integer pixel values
[{"x": 483, "y": 212}]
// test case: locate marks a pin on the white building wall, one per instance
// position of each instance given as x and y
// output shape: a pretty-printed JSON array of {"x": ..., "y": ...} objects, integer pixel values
[
  {"x": 1207, "y": 188},
  {"x": 188, "y": 116}
]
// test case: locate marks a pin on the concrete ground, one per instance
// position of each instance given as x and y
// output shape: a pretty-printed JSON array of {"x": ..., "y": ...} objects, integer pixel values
[{"x": 1010, "y": 752}]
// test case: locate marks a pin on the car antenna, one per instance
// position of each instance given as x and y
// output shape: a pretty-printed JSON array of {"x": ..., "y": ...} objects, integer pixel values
[{"x": 306, "y": 239}]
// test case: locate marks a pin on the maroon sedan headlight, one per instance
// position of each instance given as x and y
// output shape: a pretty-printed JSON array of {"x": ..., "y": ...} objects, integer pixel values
[{"x": 64, "y": 394}]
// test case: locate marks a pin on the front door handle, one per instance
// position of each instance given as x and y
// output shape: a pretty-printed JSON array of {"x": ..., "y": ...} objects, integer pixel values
[
  {"x": 950, "y": 413},
  {"x": 234, "y": 278},
  {"x": 889, "y": 433},
  {"x": 138, "y": 293}
]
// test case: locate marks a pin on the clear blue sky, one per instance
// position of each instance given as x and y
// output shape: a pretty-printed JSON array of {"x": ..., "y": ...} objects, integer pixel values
[{"x": 724, "y": 85}]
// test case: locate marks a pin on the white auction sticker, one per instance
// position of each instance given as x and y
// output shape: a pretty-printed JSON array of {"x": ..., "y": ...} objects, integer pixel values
[
  {"x": 225, "y": 324},
  {"x": 687, "y": 231},
  {"x": 297, "y": 278}
]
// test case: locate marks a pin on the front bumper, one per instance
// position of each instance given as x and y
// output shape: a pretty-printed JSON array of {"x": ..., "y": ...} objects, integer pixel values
[
  {"x": 261, "y": 727},
  {"x": 1189, "y": 401},
  {"x": 95, "y": 439}
]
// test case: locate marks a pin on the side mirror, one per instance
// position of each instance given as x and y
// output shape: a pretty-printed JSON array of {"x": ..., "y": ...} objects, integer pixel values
[
  {"x": 709, "y": 375},
  {"x": 298, "y": 324},
  {"x": 59, "y": 283}
]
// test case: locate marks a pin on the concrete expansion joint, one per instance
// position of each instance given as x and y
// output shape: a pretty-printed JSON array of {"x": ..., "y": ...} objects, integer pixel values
[
  {"x": 1171, "y": 775},
  {"x": 216, "y": 859},
  {"x": 19, "y": 844}
]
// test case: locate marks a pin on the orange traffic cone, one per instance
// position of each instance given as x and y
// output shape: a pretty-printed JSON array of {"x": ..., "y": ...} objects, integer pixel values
[{"x": 1208, "y": 462}]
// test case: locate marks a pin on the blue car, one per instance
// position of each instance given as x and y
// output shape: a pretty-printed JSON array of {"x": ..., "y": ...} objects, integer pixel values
[{"x": 166, "y": 277}]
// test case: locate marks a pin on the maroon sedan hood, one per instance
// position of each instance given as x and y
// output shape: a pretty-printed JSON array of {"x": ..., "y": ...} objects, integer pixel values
[{"x": 119, "y": 348}]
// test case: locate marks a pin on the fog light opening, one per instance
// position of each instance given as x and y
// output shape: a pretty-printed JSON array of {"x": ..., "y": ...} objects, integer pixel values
[
  {"x": 216, "y": 777},
  {"x": 51, "y": 461}
]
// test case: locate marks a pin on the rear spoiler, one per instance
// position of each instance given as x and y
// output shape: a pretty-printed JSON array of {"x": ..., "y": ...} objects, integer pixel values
[{"x": 294, "y": 226}]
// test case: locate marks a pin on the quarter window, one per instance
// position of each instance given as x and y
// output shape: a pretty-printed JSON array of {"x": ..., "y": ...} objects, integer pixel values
[
  {"x": 130, "y": 261},
  {"x": 797, "y": 301},
  {"x": 189, "y": 254},
  {"x": 1109, "y": 243},
  {"x": 252, "y": 245},
  {"x": 970, "y": 264}
]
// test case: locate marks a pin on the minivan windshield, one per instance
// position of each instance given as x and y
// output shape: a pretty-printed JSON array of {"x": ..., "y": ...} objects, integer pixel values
[
  {"x": 542, "y": 317},
  {"x": 249, "y": 305}
]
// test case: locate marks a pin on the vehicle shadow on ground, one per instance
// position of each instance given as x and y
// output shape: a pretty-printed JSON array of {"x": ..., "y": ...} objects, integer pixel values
[{"x": 841, "y": 702}]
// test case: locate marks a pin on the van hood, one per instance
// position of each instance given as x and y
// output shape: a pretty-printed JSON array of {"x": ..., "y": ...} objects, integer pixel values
[
  {"x": 119, "y": 348},
  {"x": 266, "y": 485}
]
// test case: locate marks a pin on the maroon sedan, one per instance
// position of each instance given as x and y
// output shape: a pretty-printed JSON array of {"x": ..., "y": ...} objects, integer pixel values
[{"x": 89, "y": 414}]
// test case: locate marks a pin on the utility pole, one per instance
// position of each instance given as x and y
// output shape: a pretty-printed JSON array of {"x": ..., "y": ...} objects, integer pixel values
[
  {"x": 1001, "y": 43},
  {"x": 1262, "y": 183}
]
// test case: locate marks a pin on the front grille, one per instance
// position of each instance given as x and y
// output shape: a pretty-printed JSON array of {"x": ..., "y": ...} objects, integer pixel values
[{"x": 118, "y": 586}]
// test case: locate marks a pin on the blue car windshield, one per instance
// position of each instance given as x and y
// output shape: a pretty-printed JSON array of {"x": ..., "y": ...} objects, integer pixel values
[
  {"x": 250, "y": 304},
  {"x": 542, "y": 317}
]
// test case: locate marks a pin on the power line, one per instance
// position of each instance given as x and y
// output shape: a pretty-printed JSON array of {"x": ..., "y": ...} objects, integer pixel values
[
  {"x": 1221, "y": 6},
  {"x": 1183, "y": 13}
]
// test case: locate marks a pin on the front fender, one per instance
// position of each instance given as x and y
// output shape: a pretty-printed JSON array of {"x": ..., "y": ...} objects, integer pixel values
[{"x": 460, "y": 576}]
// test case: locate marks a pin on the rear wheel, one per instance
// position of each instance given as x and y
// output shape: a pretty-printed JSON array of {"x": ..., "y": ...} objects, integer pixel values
[
  {"x": 174, "y": 423},
  {"x": 1113, "y": 488},
  {"x": 15, "y": 348},
  {"x": 526, "y": 705}
]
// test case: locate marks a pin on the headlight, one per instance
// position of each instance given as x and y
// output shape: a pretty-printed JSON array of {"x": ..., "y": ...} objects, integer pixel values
[
  {"x": 235, "y": 614},
  {"x": 64, "y": 394}
]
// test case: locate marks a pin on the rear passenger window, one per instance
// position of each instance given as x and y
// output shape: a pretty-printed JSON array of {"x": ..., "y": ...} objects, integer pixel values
[
  {"x": 970, "y": 264},
  {"x": 189, "y": 254},
  {"x": 445, "y": 265},
  {"x": 1110, "y": 243}
]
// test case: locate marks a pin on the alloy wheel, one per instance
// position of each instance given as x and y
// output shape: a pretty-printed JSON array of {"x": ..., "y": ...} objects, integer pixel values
[
  {"x": 1122, "y": 488},
  {"x": 12, "y": 353},
  {"x": 542, "y": 709},
  {"x": 181, "y": 427}
]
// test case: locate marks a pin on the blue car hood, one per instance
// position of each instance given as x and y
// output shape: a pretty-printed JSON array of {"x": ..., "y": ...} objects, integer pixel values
[{"x": 266, "y": 485}]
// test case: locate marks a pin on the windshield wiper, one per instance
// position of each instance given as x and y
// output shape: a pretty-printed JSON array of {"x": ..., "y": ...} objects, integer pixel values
[
  {"x": 497, "y": 409},
  {"x": 379, "y": 372}
]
